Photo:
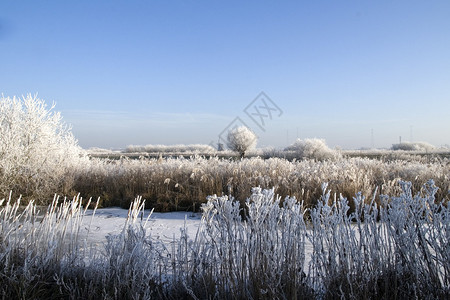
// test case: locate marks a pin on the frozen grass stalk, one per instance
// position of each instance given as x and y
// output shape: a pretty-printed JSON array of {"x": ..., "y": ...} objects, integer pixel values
[{"x": 393, "y": 248}]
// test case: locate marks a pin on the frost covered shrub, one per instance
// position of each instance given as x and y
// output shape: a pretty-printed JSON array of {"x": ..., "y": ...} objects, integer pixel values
[
  {"x": 260, "y": 256},
  {"x": 312, "y": 149},
  {"x": 420, "y": 146},
  {"x": 396, "y": 250},
  {"x": 38, "y": 153},
  {"x": 35, "y": 250},
  {"x": 241, "y": 139},
  {"x": 51, "y": 258}
]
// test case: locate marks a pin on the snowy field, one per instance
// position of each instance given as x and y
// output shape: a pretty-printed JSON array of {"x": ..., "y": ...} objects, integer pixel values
[
  {"x": 160, "y": 227},
  {"x": 164, "y": 227}
]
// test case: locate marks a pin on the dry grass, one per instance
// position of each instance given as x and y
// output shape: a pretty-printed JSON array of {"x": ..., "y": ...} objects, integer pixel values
[
  {"x": 183, "y": 184},
  {"x": 396, "y": 250}
]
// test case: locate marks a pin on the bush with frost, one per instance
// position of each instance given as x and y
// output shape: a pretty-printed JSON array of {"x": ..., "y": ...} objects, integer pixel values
[
  {"x": 38, "y": 152},
  {"x": 419, "y": 146},
  {"x": 241, "y": 139},
  {"x": 312, "y": 149}
]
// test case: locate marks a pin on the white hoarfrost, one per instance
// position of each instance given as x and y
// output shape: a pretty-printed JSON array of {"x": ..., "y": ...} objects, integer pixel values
[
  {"x": 265, "y": 250},
  {"x": 241, "y": 139},
  {"x": 419, "y": 146},
  {"x": 312, "y": 149},
  {"x": 180, "y": 148},
  {"x": 36, "y": 148}
]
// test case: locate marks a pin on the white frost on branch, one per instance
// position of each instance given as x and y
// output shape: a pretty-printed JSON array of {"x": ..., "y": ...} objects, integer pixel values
[
  {"x": 36, "y": 147},
  {"x": 312, "y": 149},
  {"x": 241, "y": 139}
]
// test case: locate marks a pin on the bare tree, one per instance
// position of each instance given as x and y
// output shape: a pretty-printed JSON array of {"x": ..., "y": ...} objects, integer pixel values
[{"x": 241, "y": 139}]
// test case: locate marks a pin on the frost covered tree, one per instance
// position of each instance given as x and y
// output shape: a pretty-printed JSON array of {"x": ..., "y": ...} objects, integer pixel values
[
  {"x": 312, "y": 149},
  {"x": 38, "y": 152},
  {"x": 241, "y": 139}
]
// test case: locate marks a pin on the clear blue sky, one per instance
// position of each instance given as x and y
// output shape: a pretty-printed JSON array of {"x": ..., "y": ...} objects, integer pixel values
[{"x": 169, "y": 72}]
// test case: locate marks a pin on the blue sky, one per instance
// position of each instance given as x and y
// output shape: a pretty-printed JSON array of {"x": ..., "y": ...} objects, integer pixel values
[{"x": 169, "y": 72}]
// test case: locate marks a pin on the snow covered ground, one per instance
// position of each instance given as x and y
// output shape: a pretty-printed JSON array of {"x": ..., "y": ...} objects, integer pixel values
[
  {"x": 161, "y": 226},
  {"x": 164, "y": 227}
]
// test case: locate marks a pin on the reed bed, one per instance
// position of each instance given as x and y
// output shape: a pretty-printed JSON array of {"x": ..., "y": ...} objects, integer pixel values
[
  {"x": 183, "y": 184},
  {"x": 279, "y": 249}
]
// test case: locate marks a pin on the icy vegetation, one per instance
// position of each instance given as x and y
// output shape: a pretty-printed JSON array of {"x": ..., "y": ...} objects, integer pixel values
[
  {"x": 183, "y": 184},
  {"x": 39, "y": 156},
  {"x": 38, "y": 153},
  {"x": 312, "y": 149},
  {"x": 408, "y": 146},
  {"x": 173, "y": 149},
  {"x": 269, "y": 248},
  {"x": 241, "y": 139},
  {"x": 390, "y": 242}
]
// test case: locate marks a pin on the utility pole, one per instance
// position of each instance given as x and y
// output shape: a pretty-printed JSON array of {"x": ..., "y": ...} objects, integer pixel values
[
  {"x": 410, "y": 134},
  {"x": 287, "y": 137},
  {"x": 372, "y": 144}
]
